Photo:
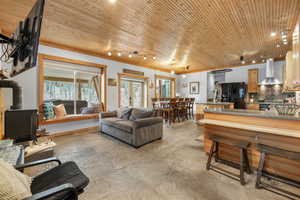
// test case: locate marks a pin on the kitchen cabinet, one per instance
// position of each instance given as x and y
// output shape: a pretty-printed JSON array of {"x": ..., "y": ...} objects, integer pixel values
[
  {"x": 253, "y": 80},
  {"x": 253, "y": 106},
  {"x": 292, "y": 72}
]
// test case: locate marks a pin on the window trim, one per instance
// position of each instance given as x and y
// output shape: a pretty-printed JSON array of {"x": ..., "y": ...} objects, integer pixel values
[
  {"x": 173, "y": 84},
  {"x": 125, "y": 75},
  {"x": 41, "y": 79}
]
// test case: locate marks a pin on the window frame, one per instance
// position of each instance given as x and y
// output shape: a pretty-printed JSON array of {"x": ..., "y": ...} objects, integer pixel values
[
  {"x": 41, "y": 79},
  {"x": 173, "y": 85},
  {"x": 146, "y": 82}
]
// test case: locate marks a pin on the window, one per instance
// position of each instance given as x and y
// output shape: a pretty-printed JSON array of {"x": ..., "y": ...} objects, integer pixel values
[
  {"x": 79, "y": 87},
  {"x": 164, "y": 86}
]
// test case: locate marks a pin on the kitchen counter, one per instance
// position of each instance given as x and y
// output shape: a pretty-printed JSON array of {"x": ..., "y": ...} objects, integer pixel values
[
  {"x": 271, "y": 103},
  {"x": 253, "y": 113},
  {"x": 200, "y": 107},
  {"x": 255, "y": 127},
  {"x": 216, "y": 103}
]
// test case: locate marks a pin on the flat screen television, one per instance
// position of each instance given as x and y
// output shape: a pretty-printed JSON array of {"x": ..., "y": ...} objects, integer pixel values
[{"x": 22, "y": 47}]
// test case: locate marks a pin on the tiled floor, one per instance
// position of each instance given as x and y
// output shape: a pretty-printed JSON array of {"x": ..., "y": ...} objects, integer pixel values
[{"x": 172, "y": 168}]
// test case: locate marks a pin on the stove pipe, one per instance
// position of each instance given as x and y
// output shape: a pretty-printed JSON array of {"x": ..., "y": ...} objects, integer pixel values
[{"x": 17, "y": 93}]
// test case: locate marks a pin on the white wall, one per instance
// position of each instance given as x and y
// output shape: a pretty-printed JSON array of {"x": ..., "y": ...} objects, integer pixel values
[
  {"x": 113, "y": 69},
  {"x": 183, "y": 85},
  {"x": 29, "y": 81},
  {"x": 238, "y": 74}
]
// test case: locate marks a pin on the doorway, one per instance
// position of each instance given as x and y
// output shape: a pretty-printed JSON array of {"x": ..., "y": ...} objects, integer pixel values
[
  {"x": 133, "y": 91},
  {"x": 164, "y": 86}
]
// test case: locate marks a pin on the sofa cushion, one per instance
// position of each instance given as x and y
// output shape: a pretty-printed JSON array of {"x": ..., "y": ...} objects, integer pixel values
[
  {"x": 121, "y": 124},
  {"x": 90, "y": 110},
  {"x": 140, "y": 114},
  {"x": 124, "y": 113},
  {"x": 139, "y": 123}
]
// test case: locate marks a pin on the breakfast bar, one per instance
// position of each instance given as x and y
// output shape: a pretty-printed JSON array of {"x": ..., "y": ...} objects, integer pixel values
[{"x": 256, "y": 127}]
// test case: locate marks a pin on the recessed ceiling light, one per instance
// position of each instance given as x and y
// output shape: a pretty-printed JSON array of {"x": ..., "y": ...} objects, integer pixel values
[
  {"x": 263, "y": 60},
  {"x": 145, "y": 58},
  {"x": 112, "y": 1},
  {"x": 172, "y": 72},
  {"x": 130, "y": 56},
  {"x": 277, "y": 45},
  {"x": 183, "y": 76},
  {"x": 154, "y": 58},
  {"x": 109, "y": 53},
  {"x": 253, "y": 61},
  {"x": 273, "y": 34},
  {"x": 119, "y": 54},
  {"x": 243, "y": 62}
]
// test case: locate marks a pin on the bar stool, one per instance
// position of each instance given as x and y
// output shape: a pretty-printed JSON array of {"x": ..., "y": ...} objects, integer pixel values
[
  {"x": 244, "y": 161},
  {"x": 268, "y": 150}
]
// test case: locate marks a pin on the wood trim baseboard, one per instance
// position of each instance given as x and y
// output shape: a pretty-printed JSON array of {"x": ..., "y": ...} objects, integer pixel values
[
  {"x": 77, "y": 131},
  {"x": 70, "y": 119}
]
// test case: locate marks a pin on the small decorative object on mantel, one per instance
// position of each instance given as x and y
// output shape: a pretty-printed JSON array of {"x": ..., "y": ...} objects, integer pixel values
[
  {"x": 112, "y": 82},
  {"x": 129, "y": 71},
  {"x": 194, "y": 87}
]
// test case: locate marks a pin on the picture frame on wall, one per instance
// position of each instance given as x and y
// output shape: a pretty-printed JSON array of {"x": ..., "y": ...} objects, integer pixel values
[
  {"x": 194, "y": 87},
  {"x": 112, "y": 82}
]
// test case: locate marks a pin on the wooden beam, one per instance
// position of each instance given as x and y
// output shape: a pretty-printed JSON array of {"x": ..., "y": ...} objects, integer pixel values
[{"x": 76, "y": 62}]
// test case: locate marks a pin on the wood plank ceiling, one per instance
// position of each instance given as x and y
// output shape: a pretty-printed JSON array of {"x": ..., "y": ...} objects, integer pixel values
[{"x": 202, "y": 34}]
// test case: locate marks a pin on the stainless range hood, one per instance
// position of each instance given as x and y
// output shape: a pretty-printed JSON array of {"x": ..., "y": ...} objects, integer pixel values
[{"x": 270, "y": 74}]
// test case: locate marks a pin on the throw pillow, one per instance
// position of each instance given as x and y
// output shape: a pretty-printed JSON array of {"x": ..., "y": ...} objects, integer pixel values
[
  {"x": 13, "y": 184},
  {"x": 48, "y": 110},
  {"x": 60, "y": 111},
  {"x": 90, "y": 110},
  {"x": 140, "y": 114},
  {"x": 124, "y": 113}
]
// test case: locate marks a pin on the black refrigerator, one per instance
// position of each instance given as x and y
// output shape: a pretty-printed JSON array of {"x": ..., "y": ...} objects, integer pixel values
[{"x": 234, "y": 93}]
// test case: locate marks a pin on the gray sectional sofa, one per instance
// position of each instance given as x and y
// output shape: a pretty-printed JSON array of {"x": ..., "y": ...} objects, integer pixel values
[{"x": 132, "y": 125}]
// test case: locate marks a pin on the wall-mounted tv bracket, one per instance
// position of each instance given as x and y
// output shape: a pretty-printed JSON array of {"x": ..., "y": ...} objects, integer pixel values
[{"x": 4, "y": 39}]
